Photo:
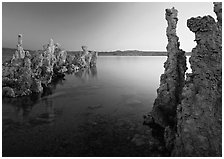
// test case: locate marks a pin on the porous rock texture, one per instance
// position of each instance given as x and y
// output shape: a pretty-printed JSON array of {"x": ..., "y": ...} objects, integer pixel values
[
  {"x": 188, "y": 111},
  {"x": 27, "y": 73},
  {"x": 172, "y": 81},
  {"x": 199, "y": 116},
  {"x": 163, "y": 114}
]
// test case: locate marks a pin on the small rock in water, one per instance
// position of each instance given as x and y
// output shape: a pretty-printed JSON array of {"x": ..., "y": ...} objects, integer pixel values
[
  {"x": 154, "y": 143},
  {"x": 138, "y": 140},
  {"x": 8, "y": 92},
  {"x": 95, "y": 106},
  {"x": 133, "y": 102}
]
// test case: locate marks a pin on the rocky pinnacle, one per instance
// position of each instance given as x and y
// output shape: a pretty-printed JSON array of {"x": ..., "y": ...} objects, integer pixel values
[
  {"x": 163, "y": 113},
  {"x": 164, "y": 108},
  {"x": 218, "y": 11},
  {"x": 199, "y": 116},
  {"x": 20, "y": 39}
]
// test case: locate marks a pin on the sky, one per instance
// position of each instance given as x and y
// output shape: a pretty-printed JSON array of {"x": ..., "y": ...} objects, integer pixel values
[{"x": 102, "y": 26}]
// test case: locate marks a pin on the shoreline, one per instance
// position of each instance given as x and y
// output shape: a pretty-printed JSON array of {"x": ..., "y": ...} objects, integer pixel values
[{"x": 10, "y": 51}]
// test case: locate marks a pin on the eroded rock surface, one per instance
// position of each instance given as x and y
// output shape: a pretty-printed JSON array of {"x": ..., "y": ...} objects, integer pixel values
[
  {"x": 163, "y": 114},
  {"x": 188, "y": 111},
  {"x": 88, "y": 58},
  {"x": 199, "y": 116},
  {"x": 218, "y": 11},
  {"x": 25, "y": 74}
]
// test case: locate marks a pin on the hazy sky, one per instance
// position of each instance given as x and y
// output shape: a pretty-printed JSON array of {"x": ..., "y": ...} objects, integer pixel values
[{"x": 101, "y": 26}]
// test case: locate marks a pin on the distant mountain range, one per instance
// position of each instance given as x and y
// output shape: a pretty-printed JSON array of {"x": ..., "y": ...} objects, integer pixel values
[
  {"x": 136, "y": 53},
  {"x": 8, "y": 52}
]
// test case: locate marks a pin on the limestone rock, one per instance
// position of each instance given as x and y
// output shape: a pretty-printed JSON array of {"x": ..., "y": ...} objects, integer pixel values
[
  {"x": 25, "y": 74},
  {"x": 37, "y": 60},
  {"x": 199, "y": 116},
  {"x": 69, "y": 59},
  {"x": 88, "y": 58},
  {"x": 36, "y": 86},
  {"x": 172, "y": 81},
  {"x": 8, "y": 71},
  {"x": 188, "y": 112},
  {"x": 218, "y": 11},
  {"x": 20, "y": 53},
  {"x": 162, "y": 118},
  {"x": 93, "y": 60},
  {"x": 8, "y": 92}
]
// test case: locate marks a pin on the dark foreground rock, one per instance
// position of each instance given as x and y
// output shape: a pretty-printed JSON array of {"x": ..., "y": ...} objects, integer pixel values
[
  {"x": 189, "y": 112},
  {"x": 199, "y": 127},
  {"x": 162, "y": 118},
  {"x": 27, "y": 73}
]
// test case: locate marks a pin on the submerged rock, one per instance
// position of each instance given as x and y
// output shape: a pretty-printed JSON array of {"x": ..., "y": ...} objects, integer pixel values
[
  {"x": 133, "y": 102},
  {"x": 93, "y": 107},
  {"x": 139, "y": 140}
]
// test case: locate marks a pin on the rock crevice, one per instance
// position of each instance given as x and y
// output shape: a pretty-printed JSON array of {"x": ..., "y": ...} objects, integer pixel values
[
  {"x": 188, "y": 111},
  {"x": 199, "y": 128},
  {"x": 163, "y": 114}
]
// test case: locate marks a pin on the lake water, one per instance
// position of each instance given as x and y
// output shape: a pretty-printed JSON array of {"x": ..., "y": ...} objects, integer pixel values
[{"x": 97, "y": 112}]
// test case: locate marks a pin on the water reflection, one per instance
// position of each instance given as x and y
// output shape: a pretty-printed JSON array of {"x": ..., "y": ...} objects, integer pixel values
[
  {"x": 49, "y": 114},
  {"x": 86, "y": 114},
  {"x": 22, "y": 114},
  {"x": 22, "y": 108},
  {"x": 86, "y": 74}
]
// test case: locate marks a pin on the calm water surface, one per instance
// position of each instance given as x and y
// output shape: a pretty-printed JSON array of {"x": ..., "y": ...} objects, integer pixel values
[{"x": 97, "y": 112}]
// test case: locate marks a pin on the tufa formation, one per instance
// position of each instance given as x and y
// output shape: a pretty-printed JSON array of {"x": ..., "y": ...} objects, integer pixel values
[
  {"x": 199, "y": 116},
  {"x": 188, "y": 112},
  {"x": 162, "y": 118},
  {"x": 27, "y": 73}
]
